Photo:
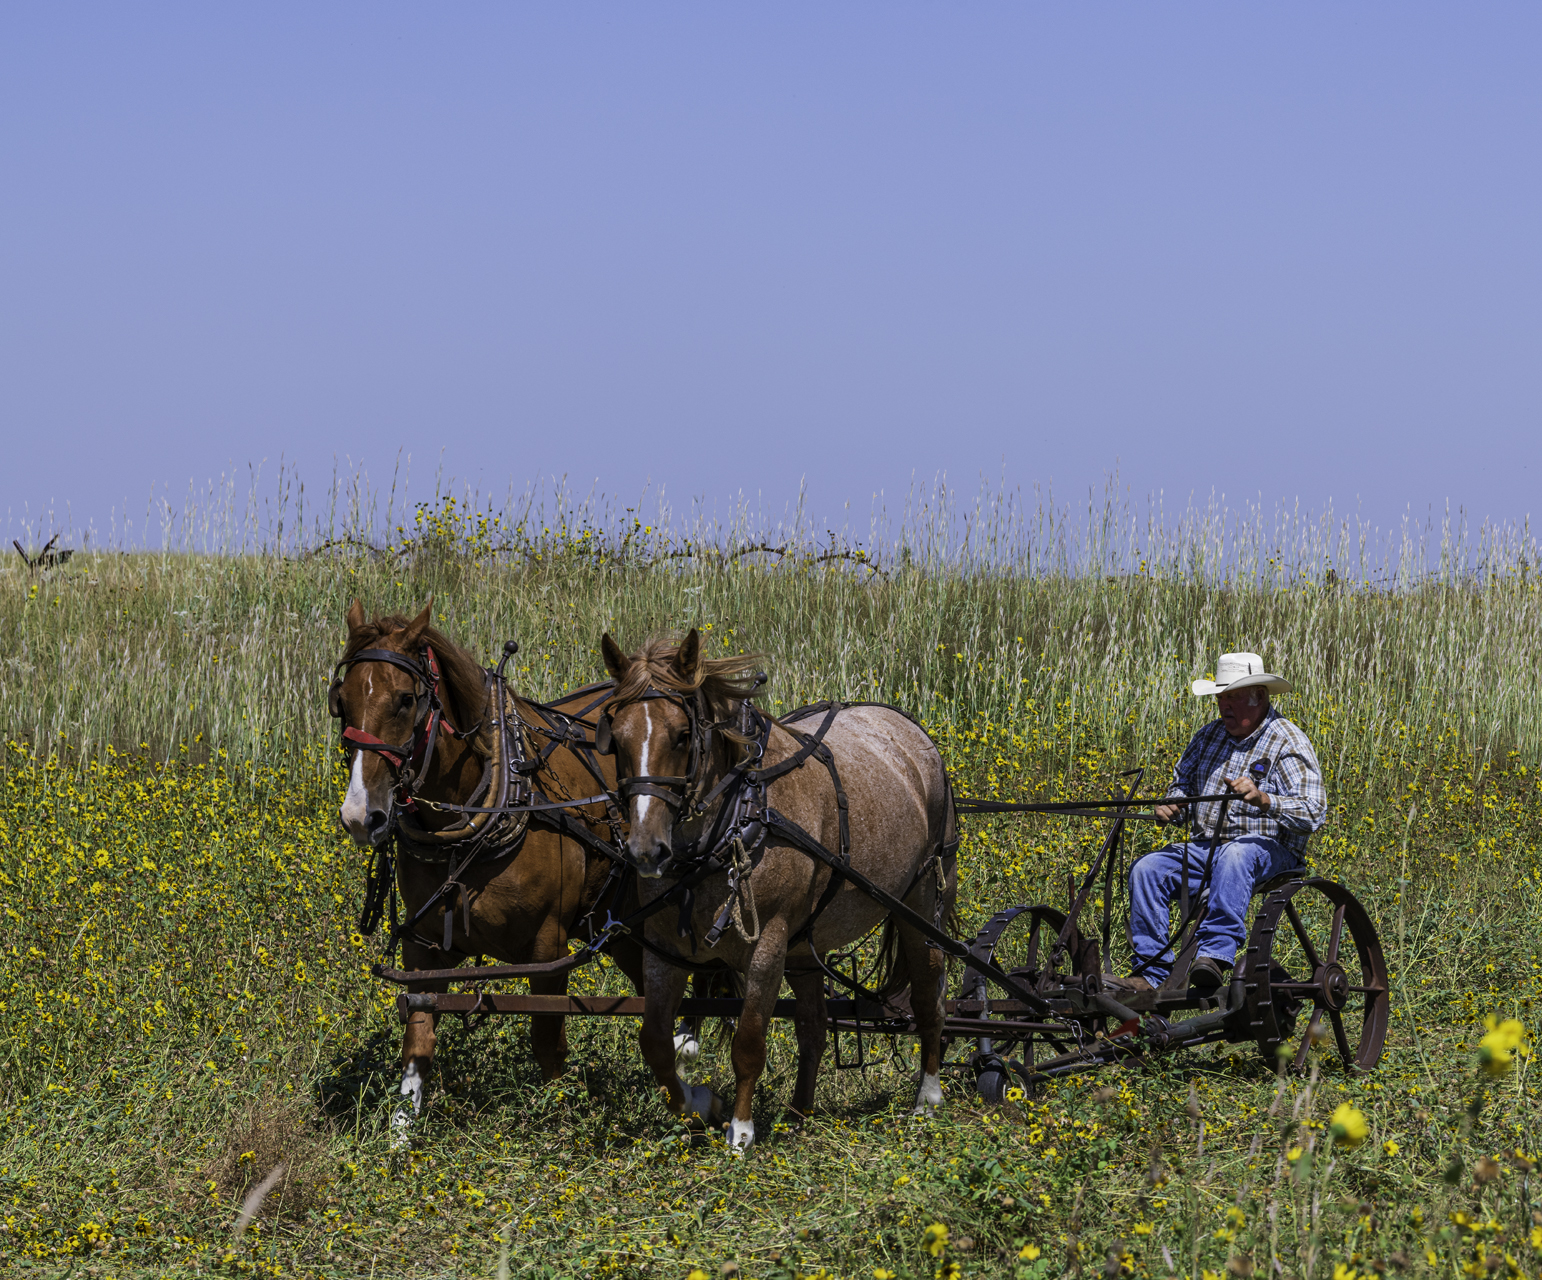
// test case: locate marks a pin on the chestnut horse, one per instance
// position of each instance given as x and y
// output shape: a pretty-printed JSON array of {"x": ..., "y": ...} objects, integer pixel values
[
  {"x": 521, "y": 891},
  {"x": 711, "y": 782}
]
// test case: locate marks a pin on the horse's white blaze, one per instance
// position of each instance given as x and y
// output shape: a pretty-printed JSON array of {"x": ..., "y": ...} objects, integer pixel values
[
  {"x": 740, "y": 1134},
  {"x": 928, "y": 1096},
  {"x": 642, "y": 767},
  {"x": 356, "y": 802}
]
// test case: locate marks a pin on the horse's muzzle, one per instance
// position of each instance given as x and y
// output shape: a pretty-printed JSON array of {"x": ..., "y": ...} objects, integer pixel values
[
  {"x": 652, "y": 864},
  {"x": 369, "y": 832}
]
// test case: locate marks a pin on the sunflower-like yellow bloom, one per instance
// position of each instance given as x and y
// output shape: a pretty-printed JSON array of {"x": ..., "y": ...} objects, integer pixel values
[
  {"x": 1504, "y": 1042},
  {"x": 936, "y": 1239},
  {"x": 1348, "y": 1126}
]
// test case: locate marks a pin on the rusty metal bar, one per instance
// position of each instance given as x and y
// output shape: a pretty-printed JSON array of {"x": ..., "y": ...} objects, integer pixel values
[{"x": 466, "y": 1002}]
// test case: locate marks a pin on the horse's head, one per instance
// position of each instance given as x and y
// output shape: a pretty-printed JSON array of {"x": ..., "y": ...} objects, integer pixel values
[
  {"x": 664, "y": 724},
  {"x": 382, "y": 701}
]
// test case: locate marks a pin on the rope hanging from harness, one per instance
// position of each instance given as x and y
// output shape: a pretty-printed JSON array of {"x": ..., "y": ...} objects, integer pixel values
[{"x": 741, "y": 898}]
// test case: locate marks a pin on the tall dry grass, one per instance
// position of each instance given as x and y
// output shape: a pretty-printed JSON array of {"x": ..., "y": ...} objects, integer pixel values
[{"x": 987, "y": 611}]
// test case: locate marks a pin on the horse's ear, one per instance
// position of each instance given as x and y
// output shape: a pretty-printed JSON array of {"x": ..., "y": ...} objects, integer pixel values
[
  {"x": 418, "y": 626},
  {"x": 355, "y": 616},
  {"x": 616, "y": 662},
  {"x": 688, "y": 656}
]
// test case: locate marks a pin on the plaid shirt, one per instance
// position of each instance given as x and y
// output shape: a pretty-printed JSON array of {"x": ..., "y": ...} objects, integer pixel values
[{"x": 1298, "y": 802}]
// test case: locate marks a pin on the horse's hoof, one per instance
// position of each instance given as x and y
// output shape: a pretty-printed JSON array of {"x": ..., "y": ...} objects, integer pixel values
[
  {"x": 687, "y": 1048},
  {"x": 740, "y": 1134}
]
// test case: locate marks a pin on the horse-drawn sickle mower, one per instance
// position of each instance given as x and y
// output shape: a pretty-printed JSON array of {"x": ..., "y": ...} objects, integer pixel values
[{"x": 1032, "y": 1002}]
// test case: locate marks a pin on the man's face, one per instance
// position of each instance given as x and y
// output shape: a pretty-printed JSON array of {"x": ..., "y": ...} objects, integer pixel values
[{"x": 1243, "y": 711}]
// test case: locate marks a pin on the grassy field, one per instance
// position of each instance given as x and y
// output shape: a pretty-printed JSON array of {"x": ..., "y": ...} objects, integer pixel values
[{"x": 186, "y": 1005}]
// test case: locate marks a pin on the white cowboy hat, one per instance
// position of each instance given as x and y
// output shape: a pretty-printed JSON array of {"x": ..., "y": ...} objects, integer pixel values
[{"x": 1239, "y": 671}]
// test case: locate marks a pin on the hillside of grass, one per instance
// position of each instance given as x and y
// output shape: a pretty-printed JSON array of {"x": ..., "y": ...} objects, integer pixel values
[{"x": 186, "y": 1005}]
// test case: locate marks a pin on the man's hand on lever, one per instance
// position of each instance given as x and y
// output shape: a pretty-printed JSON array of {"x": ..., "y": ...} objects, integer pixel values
[
  {"x": 1248, "y": 790},
  {"x": 1167, "y": 812}
]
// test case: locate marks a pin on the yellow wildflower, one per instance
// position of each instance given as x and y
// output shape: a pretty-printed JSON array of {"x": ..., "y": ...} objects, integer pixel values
[
  {"x": 1029, "y": 1252},
  {"x": 935, "y": 1239},
  {"x": 1390, "y": 1147},
  {"x": 1348, "y": 1126},
  {"x": 1498, "y": 1049}
]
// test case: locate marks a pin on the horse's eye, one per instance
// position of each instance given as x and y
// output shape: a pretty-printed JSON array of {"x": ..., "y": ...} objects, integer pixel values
[
  {"x": 403, "y": 701},
  {"x": 683, "y": 739}
]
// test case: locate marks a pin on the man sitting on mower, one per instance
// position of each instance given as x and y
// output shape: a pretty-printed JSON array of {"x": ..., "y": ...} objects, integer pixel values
[{"x": 1256, "y": 753}]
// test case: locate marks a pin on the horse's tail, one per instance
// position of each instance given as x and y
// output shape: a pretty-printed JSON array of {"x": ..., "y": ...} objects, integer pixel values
[
  {"x": 723, "y": 983},
  {"x": 893, "y": 975},
  {"x": 893, "y": 971}
]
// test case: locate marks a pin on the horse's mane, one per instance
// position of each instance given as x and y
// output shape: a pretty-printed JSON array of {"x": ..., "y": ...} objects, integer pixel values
[
  {"x": 723, "y": 680},
  {"x": 463, "y": 674}
]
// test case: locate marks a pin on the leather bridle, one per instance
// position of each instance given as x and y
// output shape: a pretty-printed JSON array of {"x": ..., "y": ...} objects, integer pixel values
[
  {"x": 686, "y": 795},
  {"x": 407, "y": 761}
]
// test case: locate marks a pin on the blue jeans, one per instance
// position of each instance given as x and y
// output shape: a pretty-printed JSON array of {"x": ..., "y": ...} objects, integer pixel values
[{"x": 1240, "y": 865}]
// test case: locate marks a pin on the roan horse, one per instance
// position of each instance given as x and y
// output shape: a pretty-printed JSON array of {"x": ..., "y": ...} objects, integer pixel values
[
  {"x": 713, "y": 782},
  {"x": 420, "y": 722}
]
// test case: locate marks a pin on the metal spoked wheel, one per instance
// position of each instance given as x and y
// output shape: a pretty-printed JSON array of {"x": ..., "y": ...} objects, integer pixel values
[
  {"x": 1021, "y": 941},
  {"x": 1313, "y": 944}
]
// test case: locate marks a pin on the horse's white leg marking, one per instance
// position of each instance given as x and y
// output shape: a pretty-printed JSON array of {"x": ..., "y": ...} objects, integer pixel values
[
  {"x": 402, "y": 1118},
  {"x": 740, "y": 1134},
  {"x": 687, "y": 1046},
  {"x": 356, "y": 802},
  {"x": 928, "y": 1096},
  {"x": 698, "y": 1100},
  {"x": 412, "y": 1086}
]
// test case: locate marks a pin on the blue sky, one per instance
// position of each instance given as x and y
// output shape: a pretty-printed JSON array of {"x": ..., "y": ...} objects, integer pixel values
[{"x": 1288, "y": 251}]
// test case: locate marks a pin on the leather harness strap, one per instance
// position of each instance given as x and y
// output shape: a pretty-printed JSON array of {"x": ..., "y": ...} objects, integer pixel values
[{"x": 501, "y": 834}]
